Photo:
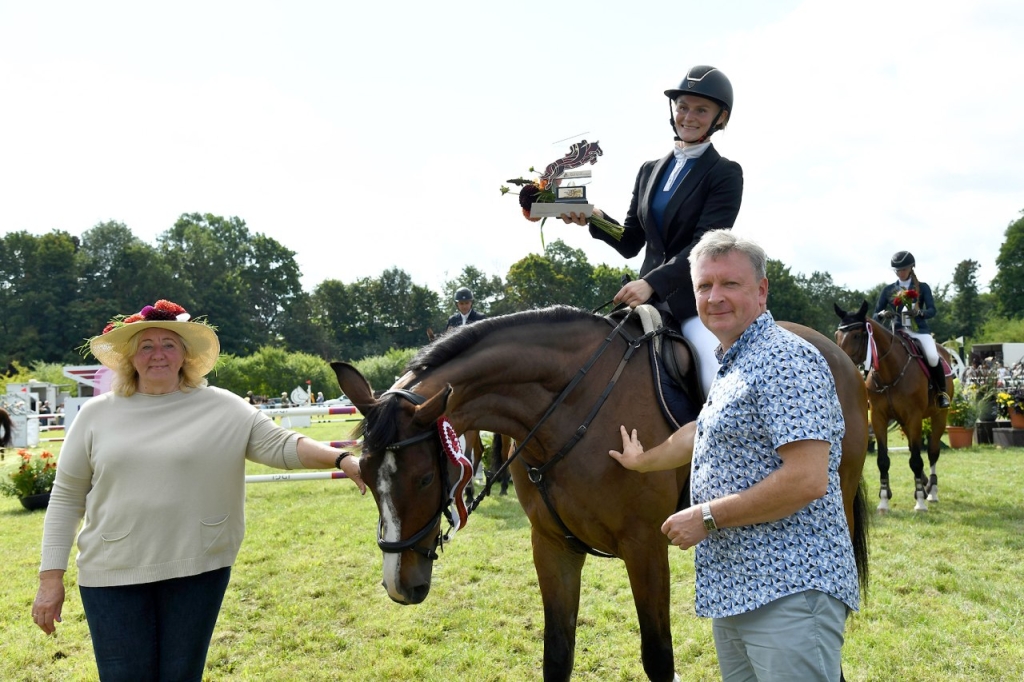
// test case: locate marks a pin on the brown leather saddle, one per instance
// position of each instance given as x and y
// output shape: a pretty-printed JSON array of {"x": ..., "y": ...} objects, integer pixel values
[{"x": 673, "y": 365}]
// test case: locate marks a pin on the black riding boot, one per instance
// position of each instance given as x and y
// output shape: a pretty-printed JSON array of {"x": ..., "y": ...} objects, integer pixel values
[{"x": 939, "y": 381}]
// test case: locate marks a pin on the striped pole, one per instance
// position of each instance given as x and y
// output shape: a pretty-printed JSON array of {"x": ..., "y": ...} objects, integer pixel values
[
  {"x": 308, "y": 410},
  {"x": 304, "y": 476}
]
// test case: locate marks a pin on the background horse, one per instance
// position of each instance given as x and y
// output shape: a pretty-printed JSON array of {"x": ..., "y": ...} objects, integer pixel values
[
  {"x": 517, "y": 375},
  {"x": 6, "y": 430},
  {"x": 898, "y": 388}
]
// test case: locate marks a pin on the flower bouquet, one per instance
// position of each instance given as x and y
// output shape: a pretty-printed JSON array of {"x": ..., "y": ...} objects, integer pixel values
[{"x": 905, "y": 297}]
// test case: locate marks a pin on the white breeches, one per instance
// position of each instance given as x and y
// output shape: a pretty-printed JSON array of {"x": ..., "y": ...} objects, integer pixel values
[
  {"x": 927, "y": 342},
  {"x": 704, "y": 343}
]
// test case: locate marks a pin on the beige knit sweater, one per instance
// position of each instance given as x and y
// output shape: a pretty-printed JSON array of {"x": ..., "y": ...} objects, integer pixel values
[{"x": 160, "y": 481}]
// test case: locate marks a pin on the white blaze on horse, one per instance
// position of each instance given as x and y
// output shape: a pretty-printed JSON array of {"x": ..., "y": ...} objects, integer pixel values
[{"x": 560, "y": 382}]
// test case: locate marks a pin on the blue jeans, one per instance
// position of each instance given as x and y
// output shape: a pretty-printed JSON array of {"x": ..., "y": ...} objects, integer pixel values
[
  {"x": 798, "y": 637},
  {"x": 155, "y": 631}
]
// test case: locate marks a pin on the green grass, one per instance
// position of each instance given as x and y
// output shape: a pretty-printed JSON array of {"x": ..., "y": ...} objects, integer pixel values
[{"x": 305, "y": 601}]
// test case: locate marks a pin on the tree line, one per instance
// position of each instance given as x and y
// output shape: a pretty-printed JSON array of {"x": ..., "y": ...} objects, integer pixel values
[{"x": 56, "y": 290}]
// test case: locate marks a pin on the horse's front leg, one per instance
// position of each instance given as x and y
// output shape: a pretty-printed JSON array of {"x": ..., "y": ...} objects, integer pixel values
[
  {"x": 559, "y": 570},
  {"x": 934, "y": 447},
  {"x": 880, "y": 425},
  {"x": 917, "y": 466},
  {"x": 648, "y": 568}
]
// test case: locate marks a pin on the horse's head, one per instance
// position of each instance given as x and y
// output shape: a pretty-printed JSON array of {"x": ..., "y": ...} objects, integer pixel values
[
  {"x": 408, "y": 474},
  {"x": 852, "y": 333}
]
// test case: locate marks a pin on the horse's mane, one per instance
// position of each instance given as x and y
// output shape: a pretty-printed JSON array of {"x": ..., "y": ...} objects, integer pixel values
[{"x": 454, "y": 343}]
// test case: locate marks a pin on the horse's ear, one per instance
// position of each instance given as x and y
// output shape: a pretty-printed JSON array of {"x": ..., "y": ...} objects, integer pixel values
[
  {"x": 839, "y": 311},
  {"x": 863, "y": 309},
  {"x": 434, "y": 407},
  {"x": 354, "y": 385}
]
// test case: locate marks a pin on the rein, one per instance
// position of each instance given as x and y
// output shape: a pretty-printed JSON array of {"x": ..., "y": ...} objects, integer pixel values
[
  {"x": 878, "y": 386},
  {"x": 536, "y": 474}
]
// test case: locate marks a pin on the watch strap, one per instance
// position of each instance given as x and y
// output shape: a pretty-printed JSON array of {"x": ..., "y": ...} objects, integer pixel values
[{"x": 709, "y": 520}]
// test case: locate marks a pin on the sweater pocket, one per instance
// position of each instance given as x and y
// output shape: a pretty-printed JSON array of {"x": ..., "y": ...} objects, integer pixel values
[
  {"x": 214, "y": 533},
  {"x": 117, "y": 550}
]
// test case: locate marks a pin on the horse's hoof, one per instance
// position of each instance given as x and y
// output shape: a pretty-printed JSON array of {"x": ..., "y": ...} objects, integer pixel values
[
  {"x": 919, "y": 503},
  {"x": 883, "y": 506},
  {"x": 933, "y": 494}
]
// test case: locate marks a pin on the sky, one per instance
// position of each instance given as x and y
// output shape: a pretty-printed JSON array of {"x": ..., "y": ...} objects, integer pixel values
[{"x": 368, "y": 136}]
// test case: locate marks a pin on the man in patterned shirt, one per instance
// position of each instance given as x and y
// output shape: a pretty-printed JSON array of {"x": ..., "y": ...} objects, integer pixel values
[{"x": 774, "y": 563}]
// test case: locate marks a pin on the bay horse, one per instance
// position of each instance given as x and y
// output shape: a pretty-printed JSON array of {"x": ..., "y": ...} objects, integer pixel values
[
  {"x": 898, "y": 389},
  {"x": 559, "y": 381}
]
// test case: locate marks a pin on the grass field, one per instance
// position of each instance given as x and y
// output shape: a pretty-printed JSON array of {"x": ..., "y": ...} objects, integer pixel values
[{"x": 305, "y": 601}]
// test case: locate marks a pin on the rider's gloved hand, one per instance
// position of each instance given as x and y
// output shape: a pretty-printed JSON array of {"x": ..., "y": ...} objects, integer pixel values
[{"x": 886, "y": 315}]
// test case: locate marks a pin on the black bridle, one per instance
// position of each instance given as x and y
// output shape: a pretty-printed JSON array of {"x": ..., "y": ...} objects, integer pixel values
[{"x": 413, "y": 542}]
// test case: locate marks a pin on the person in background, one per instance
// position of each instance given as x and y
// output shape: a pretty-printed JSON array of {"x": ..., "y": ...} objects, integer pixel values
[
  {"x": 774, "y": 563},
  {"x": 676, "y": 199},
  {"x": 156, "y": 467},
  {"x": 920, "y": 307},
  {"x": 249, "y": 398},
  {"x": 466, "y": 314},
  {"x": 319, "y": 397}
]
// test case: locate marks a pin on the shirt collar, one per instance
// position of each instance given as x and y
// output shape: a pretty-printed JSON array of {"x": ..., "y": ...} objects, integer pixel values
[{"x": 756, "y": 328}]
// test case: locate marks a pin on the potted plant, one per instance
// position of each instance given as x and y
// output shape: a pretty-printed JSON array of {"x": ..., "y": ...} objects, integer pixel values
[
  {"x": 1010, "y": 403},
  {"x": 32, "y": 481},
  {"x": 962, "y": 415}
]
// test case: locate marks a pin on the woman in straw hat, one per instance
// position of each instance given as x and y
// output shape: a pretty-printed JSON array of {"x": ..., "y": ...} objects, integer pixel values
[{"x": 157, "y": 469}]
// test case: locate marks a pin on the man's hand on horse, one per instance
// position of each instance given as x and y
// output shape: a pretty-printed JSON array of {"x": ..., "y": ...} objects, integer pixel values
[
  {"x": 634, "y": 293},
  {"x": 886, "y": 315},
  {"x": 632, "y": 450},
  {"x": 575, "y": 218}
]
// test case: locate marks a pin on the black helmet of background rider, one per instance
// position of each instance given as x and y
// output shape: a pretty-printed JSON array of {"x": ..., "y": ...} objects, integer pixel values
[
  {"x": 463, "y": 294},
  {"x": 710, "y": 83},
  {"x": 902, "y": 259}
]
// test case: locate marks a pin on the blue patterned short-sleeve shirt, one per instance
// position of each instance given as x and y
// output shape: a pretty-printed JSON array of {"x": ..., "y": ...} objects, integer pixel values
[{"x": 773, "y": 388}]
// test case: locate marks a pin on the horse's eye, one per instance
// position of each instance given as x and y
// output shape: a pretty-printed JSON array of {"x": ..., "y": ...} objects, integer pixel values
[{"x": 426, "y": 480}]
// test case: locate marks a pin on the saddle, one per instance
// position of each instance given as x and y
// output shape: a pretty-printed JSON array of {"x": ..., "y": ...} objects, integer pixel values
[
  {"x": 917, "y": 352},
  {"x": 673, "y": 365}
]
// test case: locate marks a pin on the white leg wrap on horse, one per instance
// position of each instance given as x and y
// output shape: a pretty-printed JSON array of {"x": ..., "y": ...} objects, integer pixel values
[
  {"x": 883, "y": 502},
  {"x": 933, "y": 493},
  {"x": 920, "y": 504},
  {"x": 705, "y": 343}
]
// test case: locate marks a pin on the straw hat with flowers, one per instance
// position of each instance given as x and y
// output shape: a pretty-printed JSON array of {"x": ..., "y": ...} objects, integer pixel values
[{"x": 111, "y": 346}]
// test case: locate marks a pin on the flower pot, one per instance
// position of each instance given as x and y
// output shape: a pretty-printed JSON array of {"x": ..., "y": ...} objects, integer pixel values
[
  {"x": 37, "y": 501},
  {"x": 1016, "y": 418},
  {"x": 960, "y": 436}
]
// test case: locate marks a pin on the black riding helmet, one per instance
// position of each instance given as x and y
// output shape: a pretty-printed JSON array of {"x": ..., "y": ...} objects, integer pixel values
[
  {"x": 707, "y": 82},
  {"x": 463, "y": 294},
  {"x": 902, "y": 259}
]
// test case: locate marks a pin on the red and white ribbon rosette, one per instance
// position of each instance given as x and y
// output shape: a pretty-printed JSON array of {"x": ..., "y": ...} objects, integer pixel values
[{"x": 453, "y": 449}]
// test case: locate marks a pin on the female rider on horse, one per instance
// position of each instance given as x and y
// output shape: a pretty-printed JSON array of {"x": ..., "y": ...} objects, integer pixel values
[
  {"x": 676, "y": 199},
  {"x": 919, "y": 306}
]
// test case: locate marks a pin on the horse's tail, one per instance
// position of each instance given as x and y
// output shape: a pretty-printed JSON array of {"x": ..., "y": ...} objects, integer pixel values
[{"x": 860, "y": 536}]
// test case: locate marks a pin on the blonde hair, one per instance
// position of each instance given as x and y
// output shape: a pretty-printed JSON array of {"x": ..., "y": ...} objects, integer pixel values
[{"x": 126, "y": 377}]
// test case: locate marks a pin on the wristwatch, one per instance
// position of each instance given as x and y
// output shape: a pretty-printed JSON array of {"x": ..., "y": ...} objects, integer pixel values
[{"x": 709, "y": 520}]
